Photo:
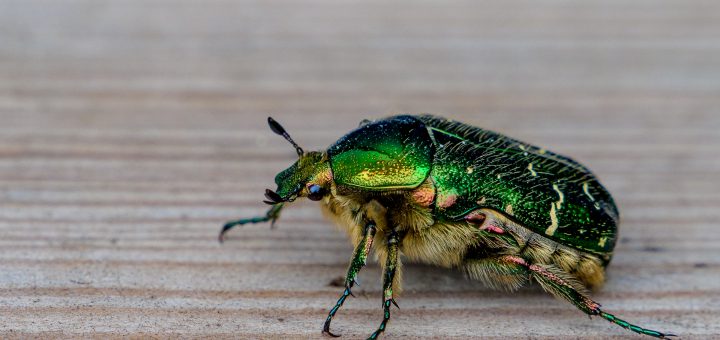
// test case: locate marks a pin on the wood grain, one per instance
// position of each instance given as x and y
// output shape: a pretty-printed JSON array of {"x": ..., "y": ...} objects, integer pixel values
[{"x": 130, "y": 130}]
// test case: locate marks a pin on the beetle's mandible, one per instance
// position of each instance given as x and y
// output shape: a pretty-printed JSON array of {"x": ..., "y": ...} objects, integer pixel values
[{"x": 453, "y": 195}]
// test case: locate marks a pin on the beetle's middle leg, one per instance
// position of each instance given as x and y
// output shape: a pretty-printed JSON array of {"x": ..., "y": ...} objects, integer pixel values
[
  {"x": 391, "y": 265},
  {"x": 271, "y": 215}
]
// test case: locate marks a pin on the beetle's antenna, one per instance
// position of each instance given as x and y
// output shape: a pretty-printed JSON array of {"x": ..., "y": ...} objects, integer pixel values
[{"x": 277, "y": 128}]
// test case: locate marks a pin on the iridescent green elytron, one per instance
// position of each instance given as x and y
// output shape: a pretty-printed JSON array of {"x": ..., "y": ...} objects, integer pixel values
[
  {"x": 551, "y": 194},
  {"x": 454, "y": 195}
]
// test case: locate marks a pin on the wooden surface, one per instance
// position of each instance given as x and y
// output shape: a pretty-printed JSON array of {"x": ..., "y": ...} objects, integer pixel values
[{"x": 130, "y": 130}]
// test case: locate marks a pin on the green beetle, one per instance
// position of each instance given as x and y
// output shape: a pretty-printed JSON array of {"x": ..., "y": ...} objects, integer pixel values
[{"x": 457, "y": 196}]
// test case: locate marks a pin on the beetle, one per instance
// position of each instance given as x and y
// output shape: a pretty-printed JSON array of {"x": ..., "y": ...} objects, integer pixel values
[{"x": 449, "y": 194}]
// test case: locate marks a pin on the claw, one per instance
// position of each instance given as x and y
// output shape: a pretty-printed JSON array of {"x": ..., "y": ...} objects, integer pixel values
[
  {"x": 327, "y": 332},
  {"x": 225, "y": 228},
  {"x": 326, "y": 329},
  {"x": 394, "y": 303}
]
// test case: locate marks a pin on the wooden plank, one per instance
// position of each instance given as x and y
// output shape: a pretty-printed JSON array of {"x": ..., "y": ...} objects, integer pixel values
[{"x": 131, "y": 130}]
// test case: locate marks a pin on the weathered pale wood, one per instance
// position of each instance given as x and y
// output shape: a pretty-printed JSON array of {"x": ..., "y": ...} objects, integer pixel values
[{"x": 130, "y": 130}]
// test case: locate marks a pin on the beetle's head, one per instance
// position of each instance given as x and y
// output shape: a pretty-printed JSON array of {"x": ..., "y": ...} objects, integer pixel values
[{"x": 309, "y": 177}]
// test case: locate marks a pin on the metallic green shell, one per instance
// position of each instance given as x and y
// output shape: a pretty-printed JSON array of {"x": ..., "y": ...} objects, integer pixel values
[
  {"x": 552, "y": 195},
  {"x": 472, "y": 168},
  {"x": 395, "y": 153}
]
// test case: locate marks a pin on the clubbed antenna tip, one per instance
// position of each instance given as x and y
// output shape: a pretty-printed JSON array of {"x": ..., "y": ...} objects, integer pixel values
[{"x": 278, "y": 129}]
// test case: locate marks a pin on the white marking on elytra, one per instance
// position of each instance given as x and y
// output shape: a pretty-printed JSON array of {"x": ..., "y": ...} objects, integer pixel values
[
  {"x": 562, "y": 197},
  {"x": 585, "y": 189},
  {"x": 554, "y": 207},
  {"x": 509, "y": 209},
  {"x": 532, "y": 172},
  {"x": 602, "y": 241},
  {"x": 553, "y": 221}
]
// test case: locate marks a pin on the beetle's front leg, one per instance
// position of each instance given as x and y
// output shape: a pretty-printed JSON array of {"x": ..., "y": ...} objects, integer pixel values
[
  {"x": 391, "y": 264},
  {"x": 358, "y": 261},
  {"x": 271, "y": 215}
]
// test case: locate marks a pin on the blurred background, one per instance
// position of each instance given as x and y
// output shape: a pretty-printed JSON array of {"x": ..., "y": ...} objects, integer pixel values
[{"x": 131, "y": 130}]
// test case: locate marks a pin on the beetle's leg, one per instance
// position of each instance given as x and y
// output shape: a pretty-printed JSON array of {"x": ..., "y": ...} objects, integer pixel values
[
  {"x": 561, "y": 284},
  {"x": 358, "y": 261},
  {"x": 391, "y": 264},
  {"x": 271, "y": 215}
]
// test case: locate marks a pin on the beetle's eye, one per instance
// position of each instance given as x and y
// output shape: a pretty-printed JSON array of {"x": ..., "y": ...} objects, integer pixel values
[{"x": 315, "y": 192}]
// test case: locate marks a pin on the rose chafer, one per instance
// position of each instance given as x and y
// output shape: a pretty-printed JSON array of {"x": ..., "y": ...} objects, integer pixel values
[{"x": 453, "y": 195}]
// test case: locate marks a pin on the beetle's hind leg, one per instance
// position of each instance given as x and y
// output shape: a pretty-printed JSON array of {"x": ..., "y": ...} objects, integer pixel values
[
  {"x": 553, "y": 280},
  {"x": 271, "y": 215}
]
